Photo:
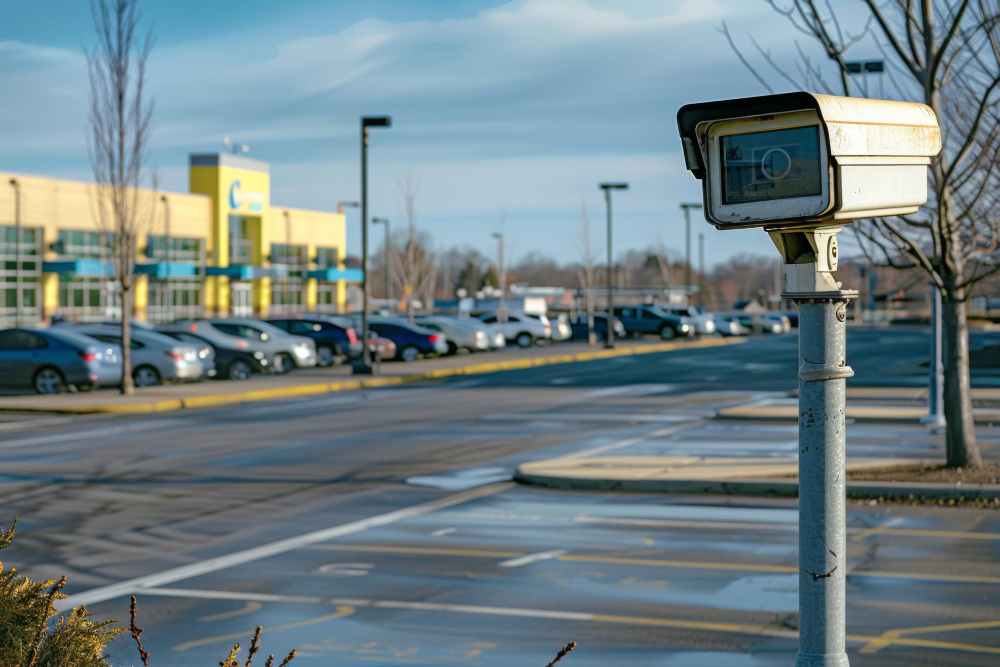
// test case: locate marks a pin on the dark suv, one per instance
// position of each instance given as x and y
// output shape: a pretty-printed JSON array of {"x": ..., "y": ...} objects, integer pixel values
[
  {"x": 643, "y": 320},
  {"x": 336, "y": 340}
]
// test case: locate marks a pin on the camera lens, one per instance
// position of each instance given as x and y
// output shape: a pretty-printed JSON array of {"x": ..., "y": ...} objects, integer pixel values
[{"x": 775, "y": 164}]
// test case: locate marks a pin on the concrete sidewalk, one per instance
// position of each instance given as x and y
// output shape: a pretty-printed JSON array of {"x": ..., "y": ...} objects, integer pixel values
[
  {"x": 878, "y": 408},
  {"x": 727, "y": 476},
  {"x": 312, "y": 382}
]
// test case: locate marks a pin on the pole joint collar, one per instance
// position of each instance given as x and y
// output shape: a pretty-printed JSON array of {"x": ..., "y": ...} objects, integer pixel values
[{"x": 810, "y": 372}]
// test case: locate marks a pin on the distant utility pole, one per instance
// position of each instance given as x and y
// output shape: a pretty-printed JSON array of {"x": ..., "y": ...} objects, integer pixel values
[
  {"x": 701, "y": 270},
  {"x": 388, "y": 261},
  {"x": 686, "y": 207},
  {"x": 18, "y": 297},
  {"x": 168, "y": 292},
  {"x": 609, "y": 341},
  {"x": 502, "y": 274}
]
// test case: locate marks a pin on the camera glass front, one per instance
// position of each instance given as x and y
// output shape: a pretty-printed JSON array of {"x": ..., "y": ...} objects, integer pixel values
[{"x": 776, "y": 164}]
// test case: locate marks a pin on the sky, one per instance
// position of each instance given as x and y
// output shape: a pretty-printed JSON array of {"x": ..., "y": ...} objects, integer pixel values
[{"x": 513, "y": 110}]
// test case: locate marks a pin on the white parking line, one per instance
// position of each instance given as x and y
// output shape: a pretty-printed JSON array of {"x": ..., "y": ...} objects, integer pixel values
[
  {"x": 531, "y": 558},
  {"x": 441, "y": 532},
  {"x": 67, "y": 436},
  {"x": 631, "y": 441},
  {"x": 172, "y": 575},
  {"x": 585, "y": 417}
]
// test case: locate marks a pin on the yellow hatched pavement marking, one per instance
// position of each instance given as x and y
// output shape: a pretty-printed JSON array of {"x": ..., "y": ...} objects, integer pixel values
[{"x": 895, "y": 637}]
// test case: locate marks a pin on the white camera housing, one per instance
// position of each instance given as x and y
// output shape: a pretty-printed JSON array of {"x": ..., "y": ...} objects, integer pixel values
[{"x": 801, "y": 160}]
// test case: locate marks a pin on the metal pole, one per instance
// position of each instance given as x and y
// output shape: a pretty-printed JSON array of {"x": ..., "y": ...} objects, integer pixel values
[
  {"x": 169, "y": 296},
  {"x": 701, "y": 270},
  {"x": 18, "y": 297},
  {"x": 365, "y": 356},
  {"x": 288, "y": 250},
  {"x": 609, "y": 340},
  {"x": 935, "y": 414},
  {"x": 822, "y": 528},
  {"x": 687, "y": 246},
  {"x": 388, "y": 265}
]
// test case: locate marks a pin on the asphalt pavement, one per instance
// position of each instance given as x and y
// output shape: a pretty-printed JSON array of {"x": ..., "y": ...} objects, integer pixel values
[{"x": 378, "y": 525}]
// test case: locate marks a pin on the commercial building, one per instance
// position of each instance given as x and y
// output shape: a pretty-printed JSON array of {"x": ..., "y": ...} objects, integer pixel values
[{"x": 222, "y": 249}]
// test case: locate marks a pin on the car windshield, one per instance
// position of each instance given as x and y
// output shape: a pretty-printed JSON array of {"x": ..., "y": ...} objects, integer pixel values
[{"x": 657, "y": 311}]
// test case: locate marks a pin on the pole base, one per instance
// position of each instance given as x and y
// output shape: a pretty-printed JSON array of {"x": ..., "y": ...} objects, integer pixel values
[
  {"x": 608, "y": 345},
  {"x": 933, "y": 420},
  {"x": 821, "y": 660},
  {"x": 362, "y": 368}
]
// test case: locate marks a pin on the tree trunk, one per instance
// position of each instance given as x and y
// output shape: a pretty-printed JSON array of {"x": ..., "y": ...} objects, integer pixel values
[
  {"x": 128, "y": 387},
  {"x": 960, "y": 440}
]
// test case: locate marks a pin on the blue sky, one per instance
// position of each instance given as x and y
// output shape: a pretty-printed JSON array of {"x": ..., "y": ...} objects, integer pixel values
[{"x": 517, "y": 108}]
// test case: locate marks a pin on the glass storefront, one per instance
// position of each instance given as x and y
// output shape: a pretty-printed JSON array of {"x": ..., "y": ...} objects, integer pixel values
[
  {"x": 88, "y": 299},
  {"x": 287, "y": 290}
]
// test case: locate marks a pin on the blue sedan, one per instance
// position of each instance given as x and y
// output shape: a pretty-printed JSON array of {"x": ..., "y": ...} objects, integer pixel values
[
  {"x": 411, "y": 340},
  {"x": 50, "y": 361}
]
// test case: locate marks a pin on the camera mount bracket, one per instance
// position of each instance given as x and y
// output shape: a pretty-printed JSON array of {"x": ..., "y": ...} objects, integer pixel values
[{"x": 810, "y": 257}]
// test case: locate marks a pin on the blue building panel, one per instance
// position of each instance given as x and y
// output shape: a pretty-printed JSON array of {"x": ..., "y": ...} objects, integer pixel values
[{"x": 333, "y": 275}]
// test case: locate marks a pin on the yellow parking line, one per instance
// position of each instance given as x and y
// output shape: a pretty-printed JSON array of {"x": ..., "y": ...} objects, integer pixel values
[
  {"x": 894, "y": 636},
  {"x": 700, "y": 565},
  {"x": 957, "y": 534},
  {"x": 436, "y": 551},
  {"x": 246, "y": 634}
]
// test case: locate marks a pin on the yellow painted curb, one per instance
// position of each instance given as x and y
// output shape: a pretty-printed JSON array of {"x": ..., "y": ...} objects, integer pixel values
[{"x": 347, "y": 385}]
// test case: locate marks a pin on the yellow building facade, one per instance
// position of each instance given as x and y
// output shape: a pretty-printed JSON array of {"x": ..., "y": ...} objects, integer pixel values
[{"x": 221, "y": 249}]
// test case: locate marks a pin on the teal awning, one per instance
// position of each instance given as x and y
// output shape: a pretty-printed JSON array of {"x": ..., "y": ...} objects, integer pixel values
[
  {"x": 333, "y": 275},
  {"x": 167, "y": 269},
  {"x": 84, "y": 267}
]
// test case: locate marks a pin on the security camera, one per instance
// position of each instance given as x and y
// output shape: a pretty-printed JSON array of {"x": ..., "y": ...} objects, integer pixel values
[{"x": 800, "y": 160}]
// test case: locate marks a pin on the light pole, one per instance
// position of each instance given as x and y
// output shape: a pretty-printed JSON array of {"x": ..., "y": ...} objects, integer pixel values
[
  {"x": 701, "y": 270},
  {"x": 502, "y": 310},
  {"x": 609, "y": 340},
  {"x": 388, "y": 266},
  {"x": 18, "y": 297},
  {"x": 366, "y": 122},
  {"x": 288, "y": 250},
  {"x": 167, "y": 296},
  {"x": 935, "y": 414},
  {"x": 686, "y": 207}
]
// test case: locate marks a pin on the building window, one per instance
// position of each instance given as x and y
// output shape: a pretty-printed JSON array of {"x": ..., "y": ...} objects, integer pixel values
[
  {"x": 326, "y": 298},
  {"x": 29, "y": 253},
  {"x": 290, "y": 258},
  {"x": 88, "y": 298},
  {"x": 240, "y": 240},
  {"x": 286, "y": 294},
  {"x": 171, "y": 300},
  {"x": 327, "y": 258},
  {"x": 80, "y": 243},
  {"x": 173, "y": 249}
]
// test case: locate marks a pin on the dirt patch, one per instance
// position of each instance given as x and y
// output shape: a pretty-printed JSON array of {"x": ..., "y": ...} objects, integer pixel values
[{"x": 936, "y": 474}]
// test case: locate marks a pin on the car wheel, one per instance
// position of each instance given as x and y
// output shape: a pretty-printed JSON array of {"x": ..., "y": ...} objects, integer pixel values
[
  {"x": 145, "y": 376},
  {"x": 325, "y": 356},
  {"x": 523, "y": 339},
  {"x": 452, "y": 348},
  {"x": 49, "y": 380},
  {"x": 667, "y": 332},
  {"x": 238, "y": 370},
  {"x": 283, "y": 363},
  {"x": 409, "y": 353}
]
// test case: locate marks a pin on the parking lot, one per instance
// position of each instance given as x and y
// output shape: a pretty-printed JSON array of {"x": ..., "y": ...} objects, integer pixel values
[{"x": 380, "y": 525}]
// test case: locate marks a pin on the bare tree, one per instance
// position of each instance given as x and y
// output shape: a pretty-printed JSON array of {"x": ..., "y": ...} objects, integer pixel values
[
  {"x": 417, "y": 277},
  {"x": 588, "y": 257},
  {"x": 120, "y": 119},
  {"x": 945, "y": 54}
]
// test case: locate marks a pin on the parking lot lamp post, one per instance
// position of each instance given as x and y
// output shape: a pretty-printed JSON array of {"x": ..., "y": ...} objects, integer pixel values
[
  {"x": 686, "y": 207},
  {"x": 388, "y": 265},
  {"x": 168, "y": 295},
  {"x": 18, "y": 297},
  {"x": 366, "y": 122},
  {"x": 609, "y": 340},
  {"x": 502, "y": 278},
  {"x": 935, "y": 416},
  {"x": 701, "y": 270}
]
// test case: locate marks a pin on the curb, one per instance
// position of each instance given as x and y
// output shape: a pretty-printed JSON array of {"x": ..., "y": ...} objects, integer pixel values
[
  {"x": 772, "y": 488},
  {"x": 370, "y": 383},
  {"x": 861, "y": 414}
]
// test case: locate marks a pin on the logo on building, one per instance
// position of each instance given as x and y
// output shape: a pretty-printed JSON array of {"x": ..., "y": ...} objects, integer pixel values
[{"x": 237, "y": 196}]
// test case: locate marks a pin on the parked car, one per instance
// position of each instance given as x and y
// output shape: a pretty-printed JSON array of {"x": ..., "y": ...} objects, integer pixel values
[
  {"x": 460, "y": 333},
  {"x": 411, "y": 340},
  {"x": 578, "y": 326},
  {"x": 286, "y": 351},
  {"x": 156, "y": 358},
  {"x": 520, "y": 327},
  {"x": 643, "y": 320},
  {"x": 233, "y": 361},
  {"x": 729, "y": 325},
  {"x": 335, "y": 338},
  {"x": 703, "y": 321},
  {"x": 383, "y": 347},
  {"x": 560, "y": 328},
  {"x": 54, "y": 360},
  {"x": 494, "y": 334}
]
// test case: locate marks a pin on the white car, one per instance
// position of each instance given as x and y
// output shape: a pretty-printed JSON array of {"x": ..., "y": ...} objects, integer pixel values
[
  {"x": 522, "y": 328},
  {"x": 156, "y": 358},
  {"x": 460, "y": 333},
  {"x": 703, "y": 321},
  {"x": 560, "y": 328}
]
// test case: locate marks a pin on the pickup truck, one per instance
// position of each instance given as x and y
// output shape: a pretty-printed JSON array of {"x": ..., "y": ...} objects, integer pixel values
[{"x": 645, "y": 320}]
